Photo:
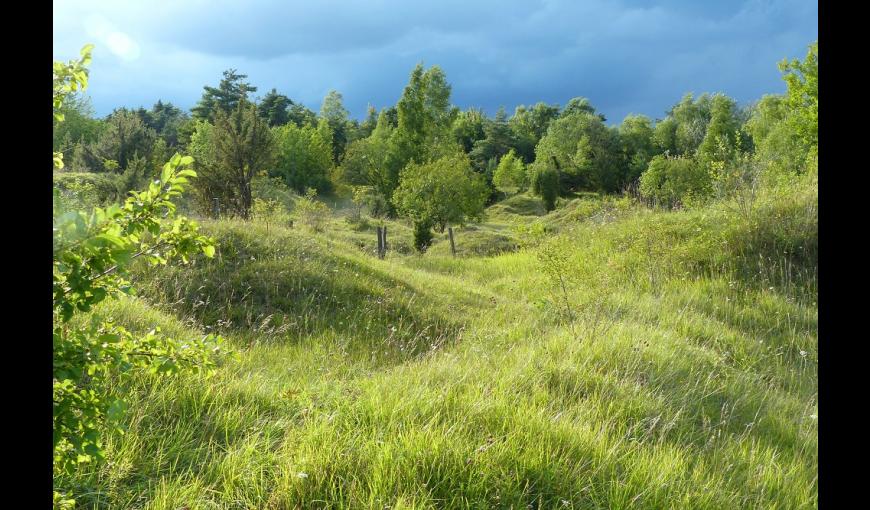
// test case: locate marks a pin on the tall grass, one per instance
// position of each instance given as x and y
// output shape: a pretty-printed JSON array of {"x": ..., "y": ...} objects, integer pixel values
[{"x": 440, "y": 382}]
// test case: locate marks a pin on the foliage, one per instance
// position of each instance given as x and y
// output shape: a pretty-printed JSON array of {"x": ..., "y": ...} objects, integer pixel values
[
  {"x": 371, "y": 162},
  {"x": 124, "y": 135},
  {"x": 545, "y": 183},
  {"x": 135, "y": 176},
  {"x": 671, "y": 180},
  {"x": 78, "y": 126},
  {"x": 226, "y": 97},
  {"x": 802, "y": 97},
  {"x": 722, "y": 138},
  {"x": 303, "y": 158},
  {"x": 83, "y": 190},
  {"x": 529, "y": 125},
  {"x": 422, "y": 235},
  {"x": 637, "y": 140},
  {"x": 336, "y": 116},
  {"x": 67, "y": 79},
  {"x": 497, "y": 141},
  {"x": 300, "y": 115},
  {"x": 510, "y": 175},
  {"x": 270, "y": 211},
  {"x": 166, "y": 120},
  {"x": 580, "y": 106},
  {"x": 584, "y": 151},
  {"x": 311, "y": 212},
  {"x": 92, "y": 254},
  {"x": 424, "y": 119},
  {"x": 274, "y": 108},
  {"x": 467, "y": 128},
  {"x": 443, "y": 192},
  {"x": 229, "y": 155}
]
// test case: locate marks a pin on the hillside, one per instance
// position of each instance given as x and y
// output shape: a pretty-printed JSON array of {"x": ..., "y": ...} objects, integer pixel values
[{"x": 688, "y": 377}]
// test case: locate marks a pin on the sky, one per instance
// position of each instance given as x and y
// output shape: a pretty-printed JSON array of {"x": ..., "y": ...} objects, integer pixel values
[{"x": 626, "y": 56}]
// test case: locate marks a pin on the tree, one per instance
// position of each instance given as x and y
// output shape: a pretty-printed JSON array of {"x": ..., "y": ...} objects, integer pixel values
[
  {"x": 303, "y": 158},
  {"x": 166, "y": 119},
  {"x": 445, "y": 191},
  {"x": 764, "y": 115},
  {"x": 802, "y": 96},
  {"x": 665, "y": 136},
  {"x": 580, "y": 105},
  {"x": 336, "y": 116},
  {"x": 690, "y": 118},
  {"x": 369, "y": 124},
  {"x": 424, "y": 117},
  {"x": 67, "y": 79},
  {"x": 124, "y": 135},
  {"x": 497, "y": 141},
  {"x": 78, "y": 126},
  {"x": 301, "y": 116},
  {"x": 584, "y": 152},
  {"x": 236, "y": 148},
  {"x": 510, "y": 175},
  {"x": 722, "y": 136},
  {"x": 468, "y": 128},
  {"x": 366, "y": 162},
  {"x": 226, "y": 97},
  {"x": 274, "y": 108},
  {"x": 529, "y": 125},
  {"x": 637, "y": 139}
]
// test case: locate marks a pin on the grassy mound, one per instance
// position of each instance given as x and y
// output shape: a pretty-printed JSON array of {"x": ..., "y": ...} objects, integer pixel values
[{"x": 686, "y": 379}]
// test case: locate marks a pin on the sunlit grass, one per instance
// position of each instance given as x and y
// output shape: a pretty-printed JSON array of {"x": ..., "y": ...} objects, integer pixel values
[{"x": 689, "y": 381}]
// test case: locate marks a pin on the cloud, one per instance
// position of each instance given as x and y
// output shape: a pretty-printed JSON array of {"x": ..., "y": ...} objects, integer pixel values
[{"x": 625, "y": 56}]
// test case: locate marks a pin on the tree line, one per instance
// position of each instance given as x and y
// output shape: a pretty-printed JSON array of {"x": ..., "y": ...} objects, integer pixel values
[{"x": 431, "y": 162}]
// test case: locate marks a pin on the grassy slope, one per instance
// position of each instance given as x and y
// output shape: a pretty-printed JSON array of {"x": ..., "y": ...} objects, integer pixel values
[{"x": 430, "y": 382}]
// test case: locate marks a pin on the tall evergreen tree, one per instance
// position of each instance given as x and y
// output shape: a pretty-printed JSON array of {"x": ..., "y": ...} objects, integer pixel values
[
  {"x": 225, "y": 97},
  {"x": 274, "y": 108}
]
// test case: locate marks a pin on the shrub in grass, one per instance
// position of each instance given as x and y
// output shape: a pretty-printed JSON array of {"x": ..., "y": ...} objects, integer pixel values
[{"x": 670, "y": 181}]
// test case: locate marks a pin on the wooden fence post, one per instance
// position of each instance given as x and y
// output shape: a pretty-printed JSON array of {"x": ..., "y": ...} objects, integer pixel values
[
  {"x": 380, "y": 244},
  {"x": 217, "y": 208},
  {"x": 384, "y": 244},
  {"x": 452, "y": 246}
]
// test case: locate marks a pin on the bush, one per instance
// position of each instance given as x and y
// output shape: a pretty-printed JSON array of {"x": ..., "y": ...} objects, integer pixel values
[
  {"x": 273, "y": 188},
  {"x": 545, "y": 184},
  {"x": 670, "y": 181},
  {"x": 270, "y": 212},
  {"x": 84, "y": 190},
  {"x": 311, "y": 212},
  {"x": 422, "y": 236}
]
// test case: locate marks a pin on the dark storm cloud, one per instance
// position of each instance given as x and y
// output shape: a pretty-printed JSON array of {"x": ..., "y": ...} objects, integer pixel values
[{"x": 628, "y": 56}]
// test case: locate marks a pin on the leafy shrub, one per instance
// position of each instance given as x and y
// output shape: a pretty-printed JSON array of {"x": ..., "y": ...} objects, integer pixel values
[
  {"x": 273, "y": 188},
  {"x": 311, "y": 212},
  {"x": 270, "y": 212},
  {"x": 510, "y": 175},
  {"x": 91, "y": 255},
  {"x": 422, "y": 236},
  {"x": 83, "y": 190},
  {"x": 670, "y": 181},
  {"x": 545, "y": 184}
]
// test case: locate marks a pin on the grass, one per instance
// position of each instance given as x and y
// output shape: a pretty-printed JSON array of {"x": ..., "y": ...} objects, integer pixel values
[{"x": 439, "y": 382}]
